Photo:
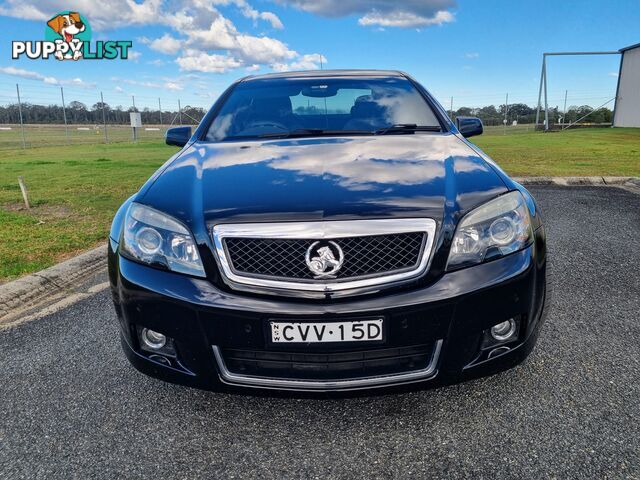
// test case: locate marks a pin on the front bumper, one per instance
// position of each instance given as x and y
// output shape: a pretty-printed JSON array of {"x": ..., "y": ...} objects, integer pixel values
[{"x": 448, "y": 320}]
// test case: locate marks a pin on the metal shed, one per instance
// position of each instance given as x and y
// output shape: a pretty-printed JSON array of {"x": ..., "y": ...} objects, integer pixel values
[{"x": 627, "y": 109}]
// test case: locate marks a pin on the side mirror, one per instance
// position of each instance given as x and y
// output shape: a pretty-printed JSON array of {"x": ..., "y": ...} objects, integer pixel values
[
  {"x": 469, "y": 126},
  {"x": 178, "y": 136}
]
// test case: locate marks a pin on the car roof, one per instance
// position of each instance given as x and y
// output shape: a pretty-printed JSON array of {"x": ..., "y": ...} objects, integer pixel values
[{"x": 326, "y": 73}]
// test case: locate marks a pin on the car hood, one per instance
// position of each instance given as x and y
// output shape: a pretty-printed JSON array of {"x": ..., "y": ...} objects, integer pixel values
[{"x": 310, "y": 179}]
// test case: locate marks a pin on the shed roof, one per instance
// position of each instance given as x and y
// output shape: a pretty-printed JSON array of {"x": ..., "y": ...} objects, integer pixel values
[{"x": 630, "y": 47}]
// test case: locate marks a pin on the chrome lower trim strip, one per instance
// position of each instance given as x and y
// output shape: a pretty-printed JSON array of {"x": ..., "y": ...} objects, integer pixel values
[
  {"x": 323, "y": 231},
  {"x": 236, "y": 379}
]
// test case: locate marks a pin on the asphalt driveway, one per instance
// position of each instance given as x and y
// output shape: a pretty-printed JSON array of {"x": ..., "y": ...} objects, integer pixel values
[{"x": 72, "y": 407}]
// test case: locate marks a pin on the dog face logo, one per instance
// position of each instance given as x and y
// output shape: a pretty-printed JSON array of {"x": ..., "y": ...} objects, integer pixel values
[
  {"x": 324, "y": 259},
  {"x": 66, "y": 27}
]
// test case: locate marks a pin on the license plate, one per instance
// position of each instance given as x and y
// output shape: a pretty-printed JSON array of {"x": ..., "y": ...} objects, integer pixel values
[{"x": 324, "y": 332}]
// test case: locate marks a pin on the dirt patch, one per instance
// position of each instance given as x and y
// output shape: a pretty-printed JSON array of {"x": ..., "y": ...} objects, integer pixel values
[{"x": 42, "y": 212}]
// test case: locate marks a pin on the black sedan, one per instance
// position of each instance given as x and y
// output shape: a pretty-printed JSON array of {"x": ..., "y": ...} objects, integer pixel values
[{"x": 325, "y": 231}]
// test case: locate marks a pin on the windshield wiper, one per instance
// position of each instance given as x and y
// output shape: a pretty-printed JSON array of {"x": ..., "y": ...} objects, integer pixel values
[
  {"x": 407, "y": 128},
  {"x": 311, "y": 132}
]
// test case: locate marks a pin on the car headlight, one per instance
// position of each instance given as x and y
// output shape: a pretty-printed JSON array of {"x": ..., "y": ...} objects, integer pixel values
[
  {"x": 499, "y": 227},
  {"x": 154, "y": 238}
]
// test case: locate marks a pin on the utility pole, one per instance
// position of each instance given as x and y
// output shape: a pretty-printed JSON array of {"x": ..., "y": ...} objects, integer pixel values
[
  {"x": 179, "y": 113},
  {"x": 160, "y": 109},
  {"x": 451, "y": 109}
]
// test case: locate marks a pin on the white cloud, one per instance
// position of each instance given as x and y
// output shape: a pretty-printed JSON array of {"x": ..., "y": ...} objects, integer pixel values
[
  {"x": 207, "y": 95},
  {"x": 305, "y": 62},
  {"x": 272, "y": 19},
  {"x": 382, "y": 13},
  {"x": 173, "y": 86},
  {"x": 262, "y": 49},
  {"x": 109, "y": 15},
  {"x": 31, "y": 75},
  {"x": 78, "y": 82},
  {"x": 252, "y": 13},
  {"x": 405, "y": 19},
  {"x": 124, "y": 13},
  {"x": 223, "y": 35},
  {"x": 168, "y": 84},
  {"x": 201, "y": 37},
  {"x": 613, "y": 74},
  {"x": 119, "y": 89},
  {"x": 472, "y": 55},
  {"x": 165, "y": 44},
  {"x": 194, "y": 60},
  {"x": 133, "y": 56},
  {"x": 22, "y": 10},
  {"x": 20, "y": 72}
]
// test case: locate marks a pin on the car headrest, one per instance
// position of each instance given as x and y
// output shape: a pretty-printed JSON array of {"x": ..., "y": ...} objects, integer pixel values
[
  {"x": 272, "y": 106},
  {"x": 366, "y": 107}
]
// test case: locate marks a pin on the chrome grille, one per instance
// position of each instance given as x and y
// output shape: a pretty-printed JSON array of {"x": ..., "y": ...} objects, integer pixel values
[
  {"x": 363, "y": 256},
  {"x": 293, "y": 255}
]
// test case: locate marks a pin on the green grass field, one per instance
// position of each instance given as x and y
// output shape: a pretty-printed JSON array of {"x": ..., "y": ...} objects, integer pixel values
[
  {"x": 580, "y": 152},
  {"x": 76, "y": 189}
]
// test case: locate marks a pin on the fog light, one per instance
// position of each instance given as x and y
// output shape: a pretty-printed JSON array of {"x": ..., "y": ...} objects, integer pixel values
[
  {"x": 504, "y": 330},
  {"x": 153, "y": 339}
]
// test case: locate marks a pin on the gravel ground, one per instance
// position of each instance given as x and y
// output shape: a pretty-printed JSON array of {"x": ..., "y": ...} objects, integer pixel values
[{"x": 72, "y": 407}]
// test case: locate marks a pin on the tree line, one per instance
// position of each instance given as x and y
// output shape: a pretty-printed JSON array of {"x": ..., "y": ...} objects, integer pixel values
[
  {"x": 79, "y": 113},
  {"x": 523, "y": 113}
]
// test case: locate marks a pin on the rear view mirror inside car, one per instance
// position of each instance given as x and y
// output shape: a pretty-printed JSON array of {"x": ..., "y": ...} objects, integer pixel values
[{"x": 320, "y": 91}]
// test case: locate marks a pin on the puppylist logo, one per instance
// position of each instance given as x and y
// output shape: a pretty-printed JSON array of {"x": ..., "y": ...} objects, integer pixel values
[{"x": 68, "y": 37}]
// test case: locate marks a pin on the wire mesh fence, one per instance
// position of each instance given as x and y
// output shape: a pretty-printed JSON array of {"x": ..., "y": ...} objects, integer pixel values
[
  {"x": 34, "y": 113},
  {"x": 14, "y": 136}
]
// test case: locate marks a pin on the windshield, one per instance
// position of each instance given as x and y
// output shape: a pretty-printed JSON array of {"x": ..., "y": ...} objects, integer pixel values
[{"x": 312, "y": 106}]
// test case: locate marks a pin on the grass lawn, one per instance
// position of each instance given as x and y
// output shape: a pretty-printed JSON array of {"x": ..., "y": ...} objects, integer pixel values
[
  {"x": 75, "y": 190},
  {"x": 580, "y": 152}
]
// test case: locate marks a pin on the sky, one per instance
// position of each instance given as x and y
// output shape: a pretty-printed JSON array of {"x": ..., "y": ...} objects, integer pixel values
[{"x": 476, "y": 51}]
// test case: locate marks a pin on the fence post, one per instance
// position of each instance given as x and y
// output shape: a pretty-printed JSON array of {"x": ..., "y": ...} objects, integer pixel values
[
  {"x": 564, "y": 114},
  {"x": 542, "y": 72},
  {"x": 104, "y": 119},
  {"x": 179, "y": 113},
  {"x": 160, "y": 110},
  {"x": 506, "y": 113},
  {"x": 24, "y": 142},
  {"x": 64, "y": 115},
  {"x": 25, "y": 192},
  {"x": 135, "y": 133},
  {"x": 546, "y": 98}
]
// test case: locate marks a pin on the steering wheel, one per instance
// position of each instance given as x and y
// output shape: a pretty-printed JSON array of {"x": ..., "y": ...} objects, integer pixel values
[{"x": 277, "y": 125}]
